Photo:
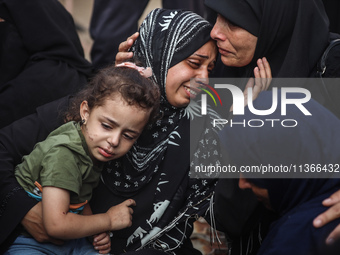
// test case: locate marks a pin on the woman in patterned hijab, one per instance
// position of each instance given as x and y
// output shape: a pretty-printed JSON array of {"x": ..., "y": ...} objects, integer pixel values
[{"x": 155, "y": 173}]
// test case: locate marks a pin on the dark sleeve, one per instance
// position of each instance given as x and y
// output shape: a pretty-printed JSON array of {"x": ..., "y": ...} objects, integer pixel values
[
  {"x": 329, "y": 85},
  {"x": 16, "y": 140}
]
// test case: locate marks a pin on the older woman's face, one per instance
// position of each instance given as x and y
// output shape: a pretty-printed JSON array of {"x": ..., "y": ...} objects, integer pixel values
[
  {"x": 236, "y": 45},
  {"x": 178, "y": 88}
]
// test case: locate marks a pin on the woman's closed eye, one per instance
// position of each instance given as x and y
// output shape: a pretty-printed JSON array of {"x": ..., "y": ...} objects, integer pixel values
[{"x": 194, "y": 64}]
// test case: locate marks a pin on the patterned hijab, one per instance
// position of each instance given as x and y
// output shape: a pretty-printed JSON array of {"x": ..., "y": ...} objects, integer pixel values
[
  {"x": 292, "y": 34},
  {"x": 162, "y": 152}
]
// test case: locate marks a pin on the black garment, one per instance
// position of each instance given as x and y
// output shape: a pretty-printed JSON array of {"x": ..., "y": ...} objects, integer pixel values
[
  {"x": 296, "y": 201},
  {"x": 325, "y": 89},
  {"x": 113, "y": 21},
  {"x": 41, "y": 58},
  {"x": 17, "y": 140},
  {"x": 332, "y": 9},
  {"x": 239, "y": 214}
]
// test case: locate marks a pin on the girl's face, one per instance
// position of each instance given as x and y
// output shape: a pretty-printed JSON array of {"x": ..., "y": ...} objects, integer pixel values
[
  {"x": 111, "y": 129},
  {"x": 236, "y": 45},
  {"x": 198, "y": 65}
]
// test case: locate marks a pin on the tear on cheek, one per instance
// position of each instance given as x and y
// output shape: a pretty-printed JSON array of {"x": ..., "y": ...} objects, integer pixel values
[{"x": 90, "y": 136}]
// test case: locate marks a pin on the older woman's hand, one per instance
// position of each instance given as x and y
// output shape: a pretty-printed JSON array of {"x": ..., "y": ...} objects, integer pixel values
[
  {"x": 263, "y": 78},
  {"x": 331, "y": 214},
  {"x": 123, "y": 48}
]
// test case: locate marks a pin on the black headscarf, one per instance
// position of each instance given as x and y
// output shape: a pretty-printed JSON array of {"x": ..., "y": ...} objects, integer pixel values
[
  {"x": 41, "y": 57},
  {"x": 162, "y": 152},
  {"x": 45, "y": 30},
  {"x": 292, "y": 34}
]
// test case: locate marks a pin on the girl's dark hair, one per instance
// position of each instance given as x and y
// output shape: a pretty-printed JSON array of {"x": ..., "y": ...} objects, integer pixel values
[{"x": 135, "y": 89}]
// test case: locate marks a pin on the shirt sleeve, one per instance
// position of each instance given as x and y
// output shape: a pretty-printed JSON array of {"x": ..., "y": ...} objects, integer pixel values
[{"x": 60, "y": 168}]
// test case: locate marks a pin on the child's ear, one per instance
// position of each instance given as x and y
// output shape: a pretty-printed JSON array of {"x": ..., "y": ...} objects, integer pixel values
[{"x": 84, "y": 110}]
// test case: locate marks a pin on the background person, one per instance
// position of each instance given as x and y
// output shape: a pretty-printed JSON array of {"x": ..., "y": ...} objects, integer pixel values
[
  {"x": 113, "y": 21},
  {"x": 41, "y": 57},
  {"x": 295, "y": 201}
]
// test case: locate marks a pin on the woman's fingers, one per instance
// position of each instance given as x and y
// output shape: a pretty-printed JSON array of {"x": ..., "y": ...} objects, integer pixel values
[
  {"x": 126, "y": 45},
  {"x": 122, "y": 57},
  {"x": 123, "y": 54},
  {"x": 331, "y": 214},
  {"x": 263, "y": 74}
]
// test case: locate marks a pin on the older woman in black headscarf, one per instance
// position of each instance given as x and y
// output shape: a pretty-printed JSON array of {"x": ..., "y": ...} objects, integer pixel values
[
  {"x": 292, "y": 35},
  {"x": 41, "y": 57}
]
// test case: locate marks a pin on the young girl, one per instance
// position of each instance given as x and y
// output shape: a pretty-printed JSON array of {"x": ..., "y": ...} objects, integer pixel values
[{"x": 114, "y": 109}]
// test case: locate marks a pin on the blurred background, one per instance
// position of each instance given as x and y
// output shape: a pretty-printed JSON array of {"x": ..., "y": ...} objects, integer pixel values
[{"x": 81, "y": 11}]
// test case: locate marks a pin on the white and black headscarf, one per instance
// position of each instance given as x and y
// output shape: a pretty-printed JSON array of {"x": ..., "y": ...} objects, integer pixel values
[{"x": 163, "y": 150}]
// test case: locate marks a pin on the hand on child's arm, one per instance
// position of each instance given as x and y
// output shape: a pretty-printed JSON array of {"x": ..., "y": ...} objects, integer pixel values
[
  {"x": 33, "y": 224},
  {"x": 123, "y": 48},
  {"x": 87, "y": 210},
  {"x": 102, "y": 243},
  {"x": 121, "y": 215}
]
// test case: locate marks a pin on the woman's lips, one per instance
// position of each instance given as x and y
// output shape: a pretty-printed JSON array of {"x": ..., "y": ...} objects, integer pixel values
[
  {"x": 191, "y": 92},
  {"x": 225, "y": 52}
]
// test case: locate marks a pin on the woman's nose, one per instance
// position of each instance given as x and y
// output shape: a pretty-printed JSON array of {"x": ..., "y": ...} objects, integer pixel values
[
  {"x": 219, "y": 31},
  {"x": 203, "y": 74}
]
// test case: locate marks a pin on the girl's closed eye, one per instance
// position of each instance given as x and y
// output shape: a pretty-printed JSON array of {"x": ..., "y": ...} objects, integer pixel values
[
  {"x": 106, "y": 126},
  {"x": 129, "y": 137}
]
